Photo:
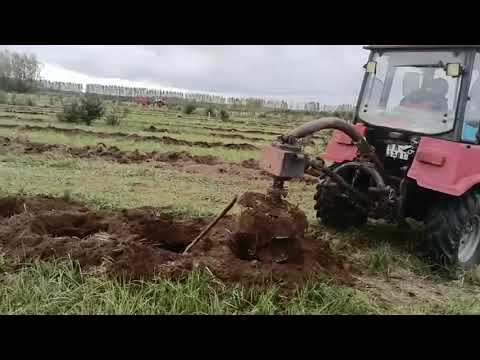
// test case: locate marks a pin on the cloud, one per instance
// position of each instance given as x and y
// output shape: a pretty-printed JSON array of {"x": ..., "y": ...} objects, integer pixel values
[{"x": 329, "y": 74}]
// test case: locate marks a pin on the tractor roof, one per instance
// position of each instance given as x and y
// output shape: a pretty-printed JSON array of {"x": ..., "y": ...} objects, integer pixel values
[{"x": 419, "y": 47}]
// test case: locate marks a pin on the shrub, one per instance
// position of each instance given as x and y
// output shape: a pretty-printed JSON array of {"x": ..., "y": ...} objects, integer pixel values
[
  {"x": 116, "y": 115},
  {"x": 87, "y": 110},
  {"x": 3, "y": 97},
  {"x": 210, "y": 111},
  {"x": 92, "y": 108},
  {"x": 262, "y": 115},
  {"x": 30, "y": 102},
  {"x": 189, "y": 109},
  {"x": 71, "y": 113},
  {"x": 224, "y": 115},
  {"x": 13, "y": 99},
  {"x": 112, "y": 119},
  {"x": 67, "y": 195}
]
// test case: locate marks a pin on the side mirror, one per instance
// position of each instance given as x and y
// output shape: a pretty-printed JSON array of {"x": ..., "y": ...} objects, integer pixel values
[
  {"x": 454, "y": 70},
  {"x": 371, "y": 67}
]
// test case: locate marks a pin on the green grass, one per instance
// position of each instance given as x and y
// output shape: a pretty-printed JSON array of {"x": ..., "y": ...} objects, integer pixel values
[
  {"x": 186, "y": 135},
  {"x": 61, "y": 288},
  {"x": 109, "y": 184},
  {"x": 137, "y": 121},
  {"x": 450, "y": 306},
  {"x": 79, "y": 140},
  {"x": 54, "y": 288},
  {"x": 140, "y": 116},
  {"x": 173, "y": 128},
  {"x": 384, "y": 253}
]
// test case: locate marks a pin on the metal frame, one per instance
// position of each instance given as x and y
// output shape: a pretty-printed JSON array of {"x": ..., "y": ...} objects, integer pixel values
[{"x": 456, "y": 133}]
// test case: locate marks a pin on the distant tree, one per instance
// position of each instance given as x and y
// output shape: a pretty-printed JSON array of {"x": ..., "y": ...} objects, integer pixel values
[
  {"x": 30, "y": 102},
  {"x": 92, "y": 108},
  {"x": 189, "y": 108},
  {"x": 3, "y": 97},
  {"x": 18, "y": 72},
  {"x": 116, "y": 115},
  {"x": 210, "y": 111},
  {"x": 224, "y": 115},
  {"x": 87, "y": 110}
]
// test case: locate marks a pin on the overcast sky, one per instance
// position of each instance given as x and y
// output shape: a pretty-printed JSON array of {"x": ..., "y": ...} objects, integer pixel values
[{"x": 328, "y": 74}]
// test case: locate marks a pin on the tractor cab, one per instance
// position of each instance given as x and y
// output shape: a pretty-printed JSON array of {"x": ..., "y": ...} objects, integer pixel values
[{"x": 423, "y": 90}]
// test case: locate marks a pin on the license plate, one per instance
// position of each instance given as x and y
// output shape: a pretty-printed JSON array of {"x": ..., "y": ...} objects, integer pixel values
[{"x": 396, "y": 151}]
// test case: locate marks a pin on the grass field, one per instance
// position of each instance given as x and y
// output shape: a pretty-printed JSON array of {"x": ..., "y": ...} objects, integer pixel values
[{"x": 388, "y": 275}]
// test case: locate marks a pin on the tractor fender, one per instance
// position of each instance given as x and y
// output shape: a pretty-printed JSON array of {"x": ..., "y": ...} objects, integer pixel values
[
  {"x": 341, "y": 148},
  {"x": 445, "y": 166}
]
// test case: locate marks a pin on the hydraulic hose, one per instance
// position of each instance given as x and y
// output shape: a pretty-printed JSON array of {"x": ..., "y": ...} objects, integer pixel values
[
  {"x": 326, "y": 123},
  {"x": 337, "y": 124}
]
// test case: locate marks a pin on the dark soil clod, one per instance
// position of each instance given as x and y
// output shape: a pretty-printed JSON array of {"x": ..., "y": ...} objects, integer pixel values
[{"x": 268, "y": 231}]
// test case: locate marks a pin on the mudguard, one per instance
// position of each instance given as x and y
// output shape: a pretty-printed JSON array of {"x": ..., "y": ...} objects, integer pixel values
[
  {"x": 446, "y": 166},
  {"x": 341, "y": 147}
]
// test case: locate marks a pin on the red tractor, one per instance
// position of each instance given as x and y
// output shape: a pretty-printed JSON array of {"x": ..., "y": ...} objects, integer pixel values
[
  {"x": 147, "y": 101},
  {"x": 411, "y": 151},
  {"x": 143, "y": 100}
]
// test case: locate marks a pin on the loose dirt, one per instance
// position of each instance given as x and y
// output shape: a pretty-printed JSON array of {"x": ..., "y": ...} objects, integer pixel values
[
  {"x": 214, "y": 134},
  {"x": 101, "y": 150},
  {"x": 145, "y": 242},
  {"x": 257, "y": 132},
  {"x": 268, "y": 230}
]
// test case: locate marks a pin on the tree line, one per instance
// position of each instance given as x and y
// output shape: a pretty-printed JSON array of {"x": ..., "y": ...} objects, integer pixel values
[
  {"x": 21, "y": 73},
  {"x": 18, "y": 72}
]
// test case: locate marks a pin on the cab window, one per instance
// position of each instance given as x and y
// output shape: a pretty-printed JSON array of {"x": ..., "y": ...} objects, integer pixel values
[{"x": 472, "y": 111}]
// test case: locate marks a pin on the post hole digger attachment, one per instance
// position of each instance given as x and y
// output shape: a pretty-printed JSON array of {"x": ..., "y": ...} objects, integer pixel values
[{"x": 284, "y": 160}]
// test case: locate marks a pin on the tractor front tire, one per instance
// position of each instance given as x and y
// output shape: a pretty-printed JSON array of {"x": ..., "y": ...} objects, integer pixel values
[{"x": 453, "y": 230}]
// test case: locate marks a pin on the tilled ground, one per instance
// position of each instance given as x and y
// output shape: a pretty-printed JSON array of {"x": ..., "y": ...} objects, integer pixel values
[
  {"x": 135, "y": 137},
  {"x": 214, "y": 134},
  {"x": 248, "y": 169},
  {"x": 20, "y": 145},
  {"x": 145, "y": 242}
]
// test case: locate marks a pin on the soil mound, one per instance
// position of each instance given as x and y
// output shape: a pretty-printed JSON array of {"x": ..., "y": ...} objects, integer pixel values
[{"x": 145, "y": 242}]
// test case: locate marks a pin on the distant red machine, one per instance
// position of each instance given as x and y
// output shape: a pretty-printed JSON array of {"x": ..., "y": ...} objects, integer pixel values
[
  {"x": 143, "y": 100},
  {"x": 147, "y": 101}
]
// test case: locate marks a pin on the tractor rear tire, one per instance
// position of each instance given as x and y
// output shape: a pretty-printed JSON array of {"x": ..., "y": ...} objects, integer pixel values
[
  {"x": 337, "y": 210},
  {"x": 453, "y": 230}
]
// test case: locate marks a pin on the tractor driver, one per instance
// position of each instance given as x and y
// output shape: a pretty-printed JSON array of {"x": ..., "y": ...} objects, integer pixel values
[{"x": 430, "y": 98}]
